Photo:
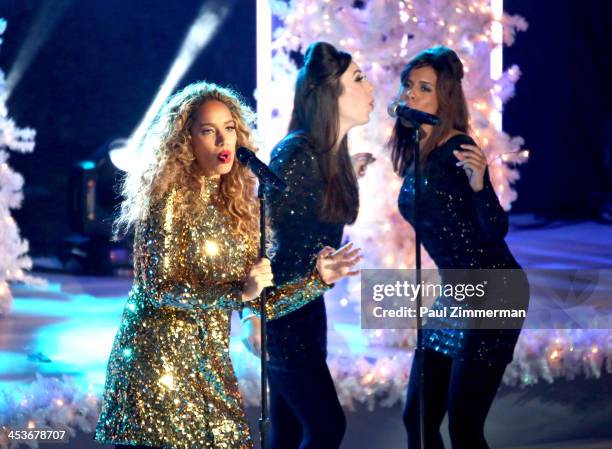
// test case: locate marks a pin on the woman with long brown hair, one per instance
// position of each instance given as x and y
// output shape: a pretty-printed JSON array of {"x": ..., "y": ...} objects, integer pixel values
[
  {"x": 170, "y": 381},
  {"x": 332, "y": 95},
  {"x": 462, "y": 228}
]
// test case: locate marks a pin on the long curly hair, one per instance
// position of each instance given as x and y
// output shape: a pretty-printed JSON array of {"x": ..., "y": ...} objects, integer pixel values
[{"x": 166, "y": 161}]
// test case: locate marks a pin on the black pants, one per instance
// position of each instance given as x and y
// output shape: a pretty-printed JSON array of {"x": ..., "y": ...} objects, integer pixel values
[
  {"x": 463, "y": 389},
  {"x": 304, "y": 409}
]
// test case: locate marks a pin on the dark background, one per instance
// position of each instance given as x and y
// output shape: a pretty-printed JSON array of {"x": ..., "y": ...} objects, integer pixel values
[
  {"x": 563, "y": 105},
  {"x": 94, "y": 79},
  {"x": 100, "y": 68}
]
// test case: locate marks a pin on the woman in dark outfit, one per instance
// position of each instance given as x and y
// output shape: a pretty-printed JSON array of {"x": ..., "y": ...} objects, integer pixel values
[
  {"x": 332, "y": 95},
  {"x": 462, "y": 227}
]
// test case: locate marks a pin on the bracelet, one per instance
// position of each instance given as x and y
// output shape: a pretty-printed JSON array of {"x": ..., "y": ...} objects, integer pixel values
[
  {"x": 317, "y": 276},
  {"x": 248, "y": 317}
]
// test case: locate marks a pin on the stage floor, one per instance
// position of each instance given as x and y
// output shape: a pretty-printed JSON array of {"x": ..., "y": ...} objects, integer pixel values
[{"x": 65, "y": 331}]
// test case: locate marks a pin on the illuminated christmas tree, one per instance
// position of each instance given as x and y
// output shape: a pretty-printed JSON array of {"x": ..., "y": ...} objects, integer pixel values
[
  {"x": 14, "y": 260},
  {"x": 383, "y": 36}
]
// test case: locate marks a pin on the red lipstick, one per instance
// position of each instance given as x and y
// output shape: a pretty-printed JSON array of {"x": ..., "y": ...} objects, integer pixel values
[{"x": 225, "y": 156}]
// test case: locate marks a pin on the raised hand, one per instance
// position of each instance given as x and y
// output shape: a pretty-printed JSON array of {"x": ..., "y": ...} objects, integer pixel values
[
  {"x": 474, "y": 162},
  {"x": 361, "y": 162},
  {"x": 335, "y": 265}
]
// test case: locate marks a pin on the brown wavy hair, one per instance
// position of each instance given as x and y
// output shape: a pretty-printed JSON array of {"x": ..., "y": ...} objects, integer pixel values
[
  {"x": 166, "y": 161},
  {"x": 452, "y": 106},
  {"x": 316, "y": 112}
]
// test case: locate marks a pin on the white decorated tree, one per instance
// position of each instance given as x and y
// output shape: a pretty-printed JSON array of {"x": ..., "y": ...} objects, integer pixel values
[
  {"x": 383, "y": 36},
  {"x": 14, "y": 261}
]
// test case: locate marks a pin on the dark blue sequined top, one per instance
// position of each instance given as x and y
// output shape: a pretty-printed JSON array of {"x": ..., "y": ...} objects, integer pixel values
[
  {"x": 460, "y": 229},
  {"x": 301, "y": 336}
]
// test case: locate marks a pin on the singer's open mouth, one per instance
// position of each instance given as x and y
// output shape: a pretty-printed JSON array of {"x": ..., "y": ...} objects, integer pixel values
[{"x": 225, "y": 156}]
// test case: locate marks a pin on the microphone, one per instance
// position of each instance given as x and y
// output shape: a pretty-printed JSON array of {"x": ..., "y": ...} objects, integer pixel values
[
  {"x": 399, "y": 109},
  {"x": 266, "y": 176}
]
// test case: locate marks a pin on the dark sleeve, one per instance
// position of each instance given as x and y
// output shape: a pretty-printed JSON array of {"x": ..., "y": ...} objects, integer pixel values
[
  {"x": 491, "y": 218},
  {"x": 293, "y": 213}
]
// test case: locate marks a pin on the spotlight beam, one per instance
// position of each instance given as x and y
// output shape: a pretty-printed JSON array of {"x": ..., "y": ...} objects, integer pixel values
[
  {"x": 45, "y": 22},
  {"x": 212, "y": 14}
]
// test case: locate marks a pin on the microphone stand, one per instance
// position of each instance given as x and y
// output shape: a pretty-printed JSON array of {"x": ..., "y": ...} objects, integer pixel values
[
  {"x": 419, "y": 353},
  {"x": 414, "y": 117},
  {"x": 264, "y": 420},
  {"x": 266, "y": 179}
]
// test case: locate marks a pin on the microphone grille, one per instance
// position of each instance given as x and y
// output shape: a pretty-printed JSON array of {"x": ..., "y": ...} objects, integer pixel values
[{"x": 392, "y": 108}]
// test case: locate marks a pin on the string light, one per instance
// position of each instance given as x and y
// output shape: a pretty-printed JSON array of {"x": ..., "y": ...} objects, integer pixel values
[{"x": 489, "y": 106}]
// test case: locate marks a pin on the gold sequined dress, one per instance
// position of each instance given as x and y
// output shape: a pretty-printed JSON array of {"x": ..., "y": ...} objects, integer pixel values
[{"x": 170, "y": 381}]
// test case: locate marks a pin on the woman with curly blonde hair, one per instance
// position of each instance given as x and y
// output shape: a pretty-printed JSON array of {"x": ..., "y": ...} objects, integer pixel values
[{"x": 170, "y": 382}]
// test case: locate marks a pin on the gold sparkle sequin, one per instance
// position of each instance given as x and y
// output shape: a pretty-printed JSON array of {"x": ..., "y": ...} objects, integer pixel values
[{"x": 170, "y": 382}]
